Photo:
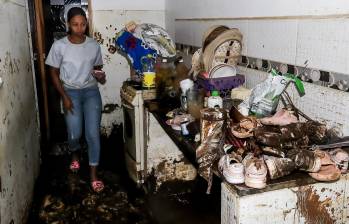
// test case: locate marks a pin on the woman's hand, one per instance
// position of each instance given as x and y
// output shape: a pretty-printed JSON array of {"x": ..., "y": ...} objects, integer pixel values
[
  {"x": 68, "y": 104},
  {"x": 99, "y": 75}
]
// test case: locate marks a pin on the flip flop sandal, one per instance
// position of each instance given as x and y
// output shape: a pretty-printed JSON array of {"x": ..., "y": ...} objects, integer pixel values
[
  {"x": 74, "y": 166},
  {"x": 97, "y": 186}
]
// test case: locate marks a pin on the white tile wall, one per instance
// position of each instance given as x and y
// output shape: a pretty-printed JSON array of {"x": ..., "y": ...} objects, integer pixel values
[
  {"x": 182, "y": 33},
  {"x": 272, "y": 39},
  {"x": 255, "y": 8},
  {"x": 187, "y": 32},
  {"x": 324, "y": 43},
  {"x": 128, "y": 5}
]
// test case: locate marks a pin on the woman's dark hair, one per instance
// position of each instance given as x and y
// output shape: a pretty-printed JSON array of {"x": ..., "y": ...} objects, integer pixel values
[{"x": 76, "y": 11}]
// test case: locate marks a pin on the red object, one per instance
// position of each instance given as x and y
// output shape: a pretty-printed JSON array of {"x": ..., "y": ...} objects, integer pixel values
[
  {"x": 97, "y": 186},
  {"x": 74, "y": 166},
  {"x": 131, "y": 42}
]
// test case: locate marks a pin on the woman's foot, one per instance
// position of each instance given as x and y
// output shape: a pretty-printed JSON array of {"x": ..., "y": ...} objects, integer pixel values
[
  {"x": 75, "y": 164},
  {"x": 97, "y": 185}
]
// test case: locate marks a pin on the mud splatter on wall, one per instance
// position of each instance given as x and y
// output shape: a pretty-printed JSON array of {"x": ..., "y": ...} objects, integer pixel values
[
  {"x": 19, "y": 136},
  {"x": 312, "y": 209}
]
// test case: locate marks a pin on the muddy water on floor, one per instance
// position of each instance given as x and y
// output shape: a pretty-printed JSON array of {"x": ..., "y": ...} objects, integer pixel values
[{"x": 63, "y": 197}]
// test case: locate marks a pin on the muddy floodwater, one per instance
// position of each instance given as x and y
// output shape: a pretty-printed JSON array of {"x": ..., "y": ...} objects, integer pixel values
[{"x": 63, "y": 197}]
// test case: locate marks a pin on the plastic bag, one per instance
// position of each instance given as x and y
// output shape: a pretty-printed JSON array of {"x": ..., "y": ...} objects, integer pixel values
[{"x": 264, "y": 98}]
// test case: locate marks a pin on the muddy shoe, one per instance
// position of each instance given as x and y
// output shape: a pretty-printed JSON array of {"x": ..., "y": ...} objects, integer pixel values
[
  {"x": 328, "y": 171},
  {"x": 341, "y": 158},
  {"x": 233, "y": 171},
  {"x": 245, "y": 128},
  {"x": 305, "y": 160},
  {"x": 255, "y": 173},
  {"x": 268, "y": 136},
  {"x": 281, "y": 118},
  {"x": 270, "y": 151},
  {"x": 316, "y": 132},
  {"x": 325, "y": 157},
  {"x": 249, "y": 156},
  {"x": 279, "y": 167}
]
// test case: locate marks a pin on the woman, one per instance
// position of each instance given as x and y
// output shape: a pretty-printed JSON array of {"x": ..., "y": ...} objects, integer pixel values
[{"x": 75, "y": 62}]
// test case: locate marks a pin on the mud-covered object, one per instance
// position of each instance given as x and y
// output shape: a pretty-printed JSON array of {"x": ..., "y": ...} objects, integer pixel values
[
  {"x": 277, "y": 152},
  {"x": 212, "y": 141},
  {"x": 296, "y": 135},
  {"x": 165, "y": 81},
  {"x": 244, "y": 129},
  {"x": 317, "y": 132},
  {"x": 255, "y": 173},
  {"x": 327, "y": 173},
  {"x": 341, "y": 158},
  {"x": 305, "y": 160},
  {"x": 279, "y": 167},
  {"x": 212, "y": 122},
  {"x": 328, "y": 170},
  {"x": 280, "y": 118},
  {"x": 232, "y": 140},
  {"x": 253, "y": 147},
  {"x": 157, "y": 38},
  {"x": 85, "y": 206}
]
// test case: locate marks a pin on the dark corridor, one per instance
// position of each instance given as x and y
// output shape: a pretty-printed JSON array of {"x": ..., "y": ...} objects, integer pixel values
[{"x": 64, "y": 197}]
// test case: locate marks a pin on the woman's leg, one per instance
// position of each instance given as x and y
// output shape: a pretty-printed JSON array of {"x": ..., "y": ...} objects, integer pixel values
[
  {"x": 74, "y": 123},
  {"x": 92, "y": 107}
]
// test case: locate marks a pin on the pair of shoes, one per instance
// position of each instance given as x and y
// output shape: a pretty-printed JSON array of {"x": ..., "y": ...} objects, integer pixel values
[
  {"x": 97, "y": 186},
  {"x": 74, "y": 166},
  {"x": 255, "y": 173}
]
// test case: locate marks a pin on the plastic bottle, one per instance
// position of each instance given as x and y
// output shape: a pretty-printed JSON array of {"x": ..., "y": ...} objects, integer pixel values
[
  {"x": 215, "y": 100},
  {"x": 184, "y": 129},
  {"x": 148, "y": 69}
]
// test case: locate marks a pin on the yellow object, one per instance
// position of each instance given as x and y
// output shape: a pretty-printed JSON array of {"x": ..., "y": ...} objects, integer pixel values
[{"x": 149, "y": 79}]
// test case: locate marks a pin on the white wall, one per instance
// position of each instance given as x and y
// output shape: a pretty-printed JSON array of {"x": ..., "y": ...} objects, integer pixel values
[
  {"x": 255, "y": 8},
  {"x": 108, "y": 18},
  {"x": 128, "y": 5},
  {"x": 286, "y": 31},
  {"x": 19, "y": 134}
]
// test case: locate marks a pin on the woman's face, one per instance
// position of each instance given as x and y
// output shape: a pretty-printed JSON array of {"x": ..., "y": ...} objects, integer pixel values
[{"x": 78, "y": 25}]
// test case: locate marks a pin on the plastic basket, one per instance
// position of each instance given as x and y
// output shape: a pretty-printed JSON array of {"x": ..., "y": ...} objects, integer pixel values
[{"x": 221, "y": 84}]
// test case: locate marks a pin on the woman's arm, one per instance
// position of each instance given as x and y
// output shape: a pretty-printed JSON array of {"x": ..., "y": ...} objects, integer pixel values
[{"x": 67, "y": 103}]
